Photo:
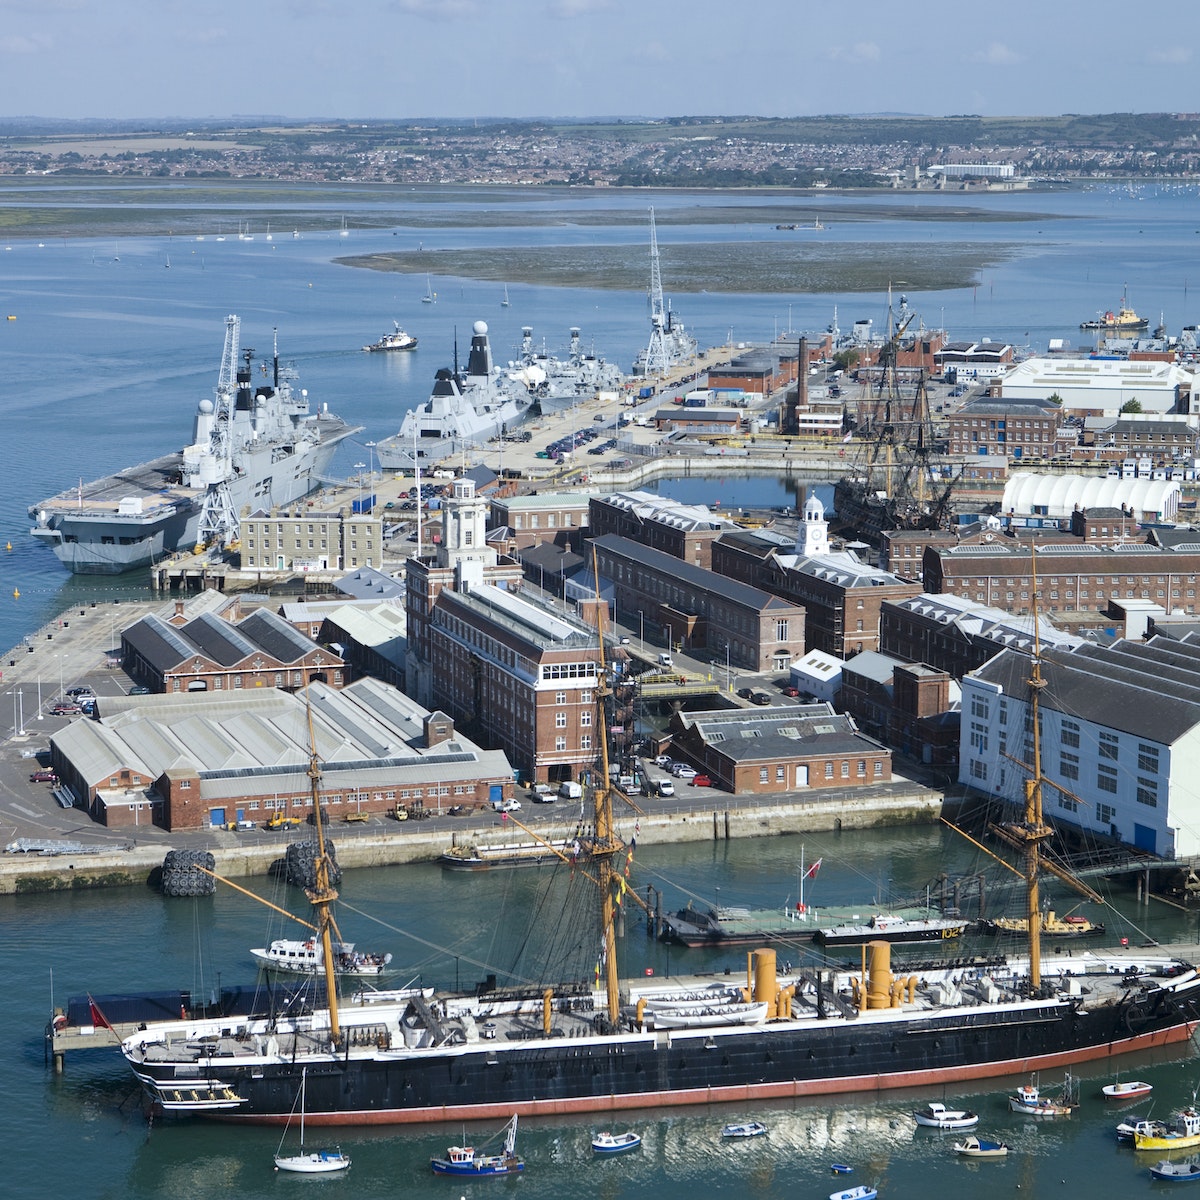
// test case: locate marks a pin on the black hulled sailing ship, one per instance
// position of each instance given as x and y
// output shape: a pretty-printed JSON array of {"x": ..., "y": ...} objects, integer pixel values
[
  {"x": 598, "y": 1044},
  {"x": 894, "y": 484}
]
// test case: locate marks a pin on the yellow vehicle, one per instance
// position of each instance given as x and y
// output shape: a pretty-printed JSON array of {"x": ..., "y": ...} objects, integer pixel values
[
  {"x": 279, "y": 820},
  {"x": 357, "y": 816}
]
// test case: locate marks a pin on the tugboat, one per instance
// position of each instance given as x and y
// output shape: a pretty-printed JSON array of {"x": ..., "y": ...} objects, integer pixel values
[
  {"x": 1124, "y": 320},
  {"x": 396, "y": 340}
]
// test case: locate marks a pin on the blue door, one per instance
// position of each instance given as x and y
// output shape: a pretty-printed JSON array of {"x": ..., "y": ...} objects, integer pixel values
[
  {"x": 495, "y": 793},
  {"x": 1144, "y": 838},
  {"x": 217, "y": 816}
]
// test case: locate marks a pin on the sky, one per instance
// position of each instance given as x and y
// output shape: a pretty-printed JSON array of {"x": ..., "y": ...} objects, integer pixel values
[{"x": 401, "y": 59}]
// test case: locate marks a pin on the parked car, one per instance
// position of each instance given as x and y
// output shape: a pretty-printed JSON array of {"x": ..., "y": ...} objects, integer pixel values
[
  {"x": 665, "y": 788},
  {"x": 684, "y": 772},
  {"x": 702, "y": 781},
  {"x": 80, "y": 692},
  {"x": 43, "y": 777},
  {"x": 506, "y": 806},
  {"x": 139, "y": 691},
  {"x": 791, "y": 691},
  {"x": 745, "y": 693},
  {"x": 760, "y": 698},
  {"x": 65, "y": 710},
  {"x": 541, "y": 793},
  {"x": 662, "y": 760}
]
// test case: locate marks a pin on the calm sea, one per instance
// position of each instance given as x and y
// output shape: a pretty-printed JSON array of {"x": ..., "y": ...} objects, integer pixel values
[
  {"x": 112, "y": 348},
  {"x": 83, "y": 1133}
]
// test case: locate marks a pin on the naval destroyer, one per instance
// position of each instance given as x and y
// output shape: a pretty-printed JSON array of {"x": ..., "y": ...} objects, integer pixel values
[{"x": 251, "y": 445}]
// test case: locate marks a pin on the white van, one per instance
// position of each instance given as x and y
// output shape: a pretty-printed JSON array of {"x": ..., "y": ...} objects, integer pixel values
[
  {"x": 570, "y": 790},
  {"x": 665, "y": 660}
]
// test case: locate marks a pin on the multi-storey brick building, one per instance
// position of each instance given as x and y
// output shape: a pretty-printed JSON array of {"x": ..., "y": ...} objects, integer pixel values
[
  {"x": 840, "y": 594},
  {"x": 694, "y": 608},
  {"x": 685, "y": 531},
  {"x": 1009, "y": 428},
  {"x": 1078, "y": 577}
]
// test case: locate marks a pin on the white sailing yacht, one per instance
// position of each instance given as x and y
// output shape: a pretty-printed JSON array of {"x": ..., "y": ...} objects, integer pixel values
[
  {"x": 430, "y": 296},
  {"x": 311, "y": 1162}
]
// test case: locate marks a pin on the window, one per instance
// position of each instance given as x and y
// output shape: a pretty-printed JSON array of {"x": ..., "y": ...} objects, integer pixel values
[
  {"x": 979, "y": 737},
  {"x": 1106, "y": 779},
  {"x": 585, "y": 718},
  {"x": 560, "y": 720},
  {"x": 829, "y": 770},
  {"x": 560, "y": 743},
  {"x": 878, "y": 769},
  {"x": 560, "y": 697},
  {"x": 1147, "y": 758},
  {"x": 978, "y": 769},
  {"x": 1067, "y": 803},
  {"x": 979, "y": 707},
  {"x": 846, "y": 768},
  {"x": 781, "y": 630},
  {"x": 1147, "y": 792},
  {"x": 762, "y": 775},
  {"x": 862, "y": 768},
  {"x": 185, "y": 784},
  {"x": 1109, "y": 745},
  {"x": 585, "y": 742},
  {"x": 1070, "y": 734},
  {"x": 1068, "y": 766},
  {"x": 781, "y": 774},
  {"x": 1106, "y": 814}
]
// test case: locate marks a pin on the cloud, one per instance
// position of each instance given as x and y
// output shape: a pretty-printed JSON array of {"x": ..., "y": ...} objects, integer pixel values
[
  {"x": 569, "y": 9},
  {"x": 20, "y": 43},
  {"x": 997, "y": 55},
  {"x": 440, "y": 10},
  {"x": 1171, "y": 55},
  {"x": 860, "y": 52}
]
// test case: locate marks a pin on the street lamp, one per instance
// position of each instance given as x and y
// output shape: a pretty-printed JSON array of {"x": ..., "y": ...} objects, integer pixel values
[
  {"x": 371, "y": 456},
  {"x": 358, "y": 466},
  {"x": 642, "y": 628}
]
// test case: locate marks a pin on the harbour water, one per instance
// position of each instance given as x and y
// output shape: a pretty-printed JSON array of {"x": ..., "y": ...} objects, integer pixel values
[
  {"x": 83, "y": 1133},
  {"x": 110, "y": 349}
]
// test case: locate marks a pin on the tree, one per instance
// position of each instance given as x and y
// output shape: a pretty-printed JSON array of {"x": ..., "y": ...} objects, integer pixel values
[
  {"x": 1055, "y": 399},
  {"x": 1132, "y": 406}
]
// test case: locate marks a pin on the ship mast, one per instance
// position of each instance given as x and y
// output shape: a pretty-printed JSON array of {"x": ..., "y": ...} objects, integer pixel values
[
  {"x": 322, "y": 894},
  {"x": 1034, "y": 831},
  {"x": 606, "y": 844}
]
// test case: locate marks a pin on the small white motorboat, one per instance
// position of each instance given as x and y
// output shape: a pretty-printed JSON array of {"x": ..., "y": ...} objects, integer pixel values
[
  {"x": 745, "y": 1129},
  {"x": 974, "y": 1147},
  {"x": 862, "y": 1192},
  {"x": 615, "y": 1143},
  {"x": 938, "y": 1116},
  {"x": 1132, "y": 1090}
]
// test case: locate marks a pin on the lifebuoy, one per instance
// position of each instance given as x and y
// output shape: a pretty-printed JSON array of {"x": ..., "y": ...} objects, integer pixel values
[{"x": 802, "y": 908}]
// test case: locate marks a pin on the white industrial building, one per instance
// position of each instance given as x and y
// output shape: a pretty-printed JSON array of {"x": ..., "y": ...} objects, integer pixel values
[
  {"x": 1100, "y": 385},
  {"x": 1030, "y": 494},
  {"x": 1120, "y": 728}
]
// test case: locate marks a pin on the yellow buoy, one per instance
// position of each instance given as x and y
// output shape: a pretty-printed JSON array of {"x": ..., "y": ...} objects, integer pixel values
[
  {"x": 8, "y": 547},
  {"x": 16, "y": 594}
]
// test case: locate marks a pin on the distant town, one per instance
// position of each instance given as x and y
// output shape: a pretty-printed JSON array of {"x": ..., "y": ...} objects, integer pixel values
[{"x": 962, "y": 152}]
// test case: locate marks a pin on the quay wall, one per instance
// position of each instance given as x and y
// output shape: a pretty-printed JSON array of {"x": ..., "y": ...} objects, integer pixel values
[{"x": 241, "y": 855}]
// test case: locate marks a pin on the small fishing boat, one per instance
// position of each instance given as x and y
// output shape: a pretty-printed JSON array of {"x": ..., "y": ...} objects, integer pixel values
[
  {"x": 466, "y": 1160},
  {"x": 615, "y": 1143},
  {"x": 1180, "y": 1132},
  {"x": 862, "y": 1192},
  {"x": 974, "y": 1147},
  {"x": 310, "y": 1162},
  {"x": 841, "y": 1168},
  {"x": 746, "y": 1129},
  {"x": 1176, "y": 1172},
  {"x": 1131, "y": 1090},
  {"x": 1032, "y": 1103},
  {"x": 938, "y": 1116}
]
